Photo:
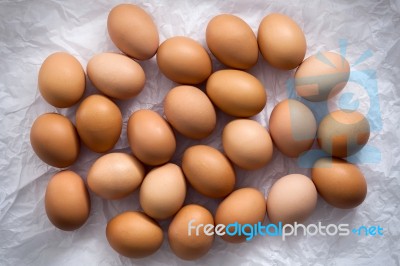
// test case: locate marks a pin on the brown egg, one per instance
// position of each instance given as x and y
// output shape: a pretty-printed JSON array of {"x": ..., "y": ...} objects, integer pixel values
[
  {"x": 247, "y": 144},
  {"x": 340, "y": 183},
  {"x": 134, "y": 234},
  {"x": 61, "y": 80},
  {"x": 243, "y": 206},
  {"x": 185, "y": 246},
  {"x": 208, "y": 171},
  {"x": 232, "y": 41},
  {"x": 322, "y": 76},
  {"x": 281, "y": 41},
  {"x": 115, "y": 175},
  {"x": 54, "y": 140},
  {"x": 99, "y": 123},
  {"x": 133, "y": 31},
  {"x": 163, "y": 191},
  {"x": 184, "y": 60},
  {"x": 150, "y": 137},
  {"x": 67, "y": 201},
  {"x": 293, "y": 127},
  {"x": 343, "y": 133},
  {"x": 116, "y": 75},
  {"x": 190, "y": 112},
  {"x": 236, "y": 92},
  {"x": 291, "y": 199}
]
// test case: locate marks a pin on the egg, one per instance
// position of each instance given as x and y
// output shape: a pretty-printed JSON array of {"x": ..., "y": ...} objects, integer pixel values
[
  {"x": 183, "y": 60},
  {"x": 150, "y": 137},
  {"x": 67, "y": 201},
  {"x": 339, "y": 183},
  {"x": 190, "y": 112},
  {"x": 208, "y": 171},
  {"x": 133, "y": 31},
  {"x": 55, "y": 140},
  {"x": 281, "y": 41},
  {"x": 115, "y": 175},
  {"x": 293, "y": 127},
  {"x": 133, "y": 234},
  {"x": 61, "y": 80},
  {"x": 247, "y": 144},
  {"x": 193, "y": 246},
  {"x": 236, "y": 92},
  {"x": 343, "y": 133},
  {"x": 163, "y": 191},
  {"x": 116, "y": 75},
  {"x": 232, "y": 41},
  {"x": 243, "y": 206},
  {"x": 99, "y": 123},
  {"x": 292, "y": 198},
  {"x": 322, "y": 76}
]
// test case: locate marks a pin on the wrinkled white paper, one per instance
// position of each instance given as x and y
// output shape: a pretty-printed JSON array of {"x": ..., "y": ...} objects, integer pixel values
[{"x": 31, "y": 30}]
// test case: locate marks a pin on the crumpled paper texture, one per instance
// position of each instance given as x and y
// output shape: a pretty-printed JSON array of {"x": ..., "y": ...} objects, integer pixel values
[{"x": 31, "y": 30}]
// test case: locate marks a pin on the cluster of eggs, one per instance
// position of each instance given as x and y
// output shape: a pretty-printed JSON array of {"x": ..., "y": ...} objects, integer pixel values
[{"x": 191, "y": 112}]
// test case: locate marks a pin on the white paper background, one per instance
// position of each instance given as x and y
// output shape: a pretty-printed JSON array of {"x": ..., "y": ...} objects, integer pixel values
[{"x": 31, "y": 30}]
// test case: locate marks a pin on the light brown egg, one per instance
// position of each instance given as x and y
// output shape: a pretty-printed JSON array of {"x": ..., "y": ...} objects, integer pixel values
[
  {"x": 150, "y": 137},
  {"x": 193, "y": 246},
  {"x": 163, "y": 191},
  {"x": 291, "y": 199},
  {"x": 338, "y": 182},
  {"x": 247, "y": 144},
  {"x": 116, "y": 75},
  {"x": 67, "y": 201},
  {"x": 293, "y": 127},
  {"x": 281, "y": 41},
  {"x": 184, "y": 60},
  {"x": 134, "y": 234},
  {"x": 115, "y": 175},
  {"x": 343, "y": 133},
  {"x": 232, "y": 41},
  {"x": 322, "y": 76},
  {"x": 61, "y": 80},
  {"x": 236, "y": 92},
  {"x": 133, "y": 31},
  {"x": 54, "y": 140},
  {"x": 99, "y": 123},
  {"x": 244, "y": 206},
  {"x": 190, "y": 112},
  {"x": 208, "y": 171}
]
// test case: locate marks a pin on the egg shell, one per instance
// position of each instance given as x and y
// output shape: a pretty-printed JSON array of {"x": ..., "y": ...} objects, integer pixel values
[
  {"x": 133, "y": 31},
  {"x": 322, "y": 76},
  {"x": 339, "y": 183},
  {"x": 247, "y": 144},
  {"x": 190, "y": 112},
  {"x": 208, "y": 171},
  {"x": 150, "y": 137},
  {"x": 293, "y": 127},
  {"x": 232, "y": 41},
  {"x": 61, "y": 80},
  {"x": 99, "y": 123},
  {"x": 116, "y": 75},
  {"x": 115, "y": 175},
  {"x": 67, "y": 201},
  {"x": 291, "y": 199},
  {"x": 281, "y": 41},
  {"x": 134, "y": 234},
  {"x": 343, "y": 133},
  {"x": 244, "y": 206},
  {"x": 236, "y": 92},
  {"x": 55, "y": 140},
  {"x": 185, "y": 246},
  {"x": 163, "y": 191},
  {"x": 184, "y": 60}
]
